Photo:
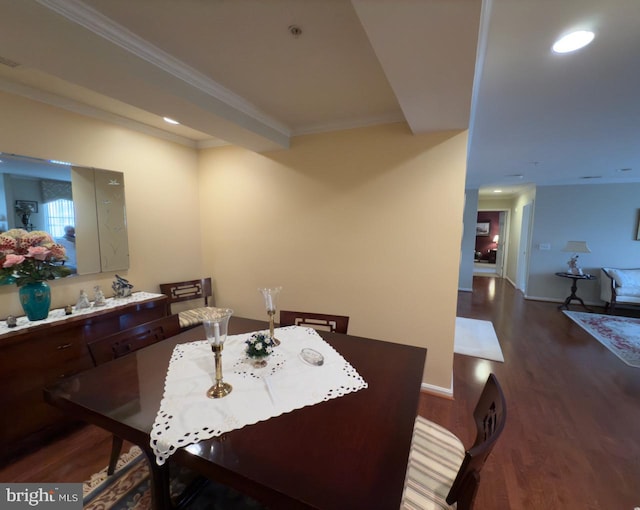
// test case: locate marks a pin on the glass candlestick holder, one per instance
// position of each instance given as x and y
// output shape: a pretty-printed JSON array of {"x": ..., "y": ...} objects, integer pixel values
[
  {"x": 270, "y": 295},
  {"x": 216, "y": 322}
]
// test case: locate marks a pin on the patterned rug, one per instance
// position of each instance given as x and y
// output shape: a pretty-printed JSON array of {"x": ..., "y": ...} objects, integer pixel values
[
  {"x": 128, "y": 489},
  {"x": 621, "y": 335}
]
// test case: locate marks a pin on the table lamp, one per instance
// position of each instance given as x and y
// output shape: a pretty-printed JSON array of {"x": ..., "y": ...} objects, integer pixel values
[{"x": 575, "y": 247}]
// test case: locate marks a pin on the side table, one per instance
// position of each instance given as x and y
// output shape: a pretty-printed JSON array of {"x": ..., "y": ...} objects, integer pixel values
[{"x": 574, "y": 287}]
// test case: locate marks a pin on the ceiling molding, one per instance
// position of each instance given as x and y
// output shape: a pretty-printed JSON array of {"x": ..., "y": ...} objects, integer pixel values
[
  {"x": 87, "y": 17},
  {"x": 481, "y": 52},
  {"x": 208, "y": 144},
  {"x": 89, "y": 111}
]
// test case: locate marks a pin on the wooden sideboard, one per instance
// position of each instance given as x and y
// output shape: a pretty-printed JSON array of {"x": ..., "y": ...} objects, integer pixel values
[{"x": 33, "y": 358}]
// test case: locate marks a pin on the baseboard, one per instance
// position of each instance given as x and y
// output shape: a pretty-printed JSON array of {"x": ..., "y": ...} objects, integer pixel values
[
  {"x": 438, "y": 391},
  {"x": 513, "y": 284},
  {"x": 556, "y": 300},
  {"x": 547, "y": 299}
]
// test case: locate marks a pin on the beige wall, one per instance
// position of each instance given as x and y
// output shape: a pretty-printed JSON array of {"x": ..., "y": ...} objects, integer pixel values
[
  {"x": 364, "y": 222},
  {"x": 161, "y": 192}
]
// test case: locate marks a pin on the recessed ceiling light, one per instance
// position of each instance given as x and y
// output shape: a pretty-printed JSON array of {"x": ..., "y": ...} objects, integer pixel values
[
  {"x": 295, "y": 31},
  {"x": 497, "y": 191},
  {"x": 170, "y": 121},
  {"x": 573, "y": 41}
]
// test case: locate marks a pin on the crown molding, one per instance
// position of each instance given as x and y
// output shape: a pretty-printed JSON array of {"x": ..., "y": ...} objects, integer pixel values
[
  {"x": 213, "y": 142},
  {"x": 99, "y": 24}
]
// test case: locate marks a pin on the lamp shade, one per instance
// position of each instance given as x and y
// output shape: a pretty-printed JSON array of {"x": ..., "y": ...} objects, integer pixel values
[
  {"x": 577, "y": 247},
  {"x": 496, "y": 238}
]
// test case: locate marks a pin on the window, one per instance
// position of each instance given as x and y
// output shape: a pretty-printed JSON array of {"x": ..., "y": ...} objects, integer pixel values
[{"x": 58, "y": 214}]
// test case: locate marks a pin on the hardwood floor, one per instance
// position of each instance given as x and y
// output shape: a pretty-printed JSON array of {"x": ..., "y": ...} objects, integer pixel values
[
  {"x": 573, "y": 424},
  {"x": 73, "y": 458},
  {"x": 572, "y": 434}
]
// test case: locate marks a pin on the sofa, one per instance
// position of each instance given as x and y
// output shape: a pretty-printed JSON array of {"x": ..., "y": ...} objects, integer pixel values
[{"x": 619, "y": 286}]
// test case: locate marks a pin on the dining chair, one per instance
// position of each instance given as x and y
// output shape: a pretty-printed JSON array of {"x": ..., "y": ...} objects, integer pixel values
[
  {"x": 440, "y": 473},
  {"x": 197, "y": 291},
  {"x": 321, "y": 321},
  {"x": 124, "y": 342}
]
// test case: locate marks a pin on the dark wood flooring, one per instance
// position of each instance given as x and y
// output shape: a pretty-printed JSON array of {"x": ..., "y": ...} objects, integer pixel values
[{"x": 572, "y": 439}]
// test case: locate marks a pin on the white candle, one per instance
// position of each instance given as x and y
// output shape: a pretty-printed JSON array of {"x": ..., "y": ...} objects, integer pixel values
[
  {"x": 270, "y": 302},
  {"x": 216, "y": 333}
]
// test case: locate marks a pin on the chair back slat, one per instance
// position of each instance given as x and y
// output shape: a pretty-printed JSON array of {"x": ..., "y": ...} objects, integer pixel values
[
  {"x": 490, "y": 417},
  {"x": 320, "y": 321},
  {"x": 188, "y": 290}
]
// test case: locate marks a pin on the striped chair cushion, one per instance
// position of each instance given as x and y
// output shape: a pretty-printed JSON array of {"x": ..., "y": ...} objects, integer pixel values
[
  {"x": 434, "y": 460},
  {"x": 190, "y": 318}
]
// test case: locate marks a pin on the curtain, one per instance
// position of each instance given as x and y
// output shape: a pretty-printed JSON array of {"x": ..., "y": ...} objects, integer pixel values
[{"x": 55, "y": 190}]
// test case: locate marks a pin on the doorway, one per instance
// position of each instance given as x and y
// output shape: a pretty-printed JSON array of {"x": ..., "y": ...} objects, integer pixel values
[{"x": 489, "y": 255}]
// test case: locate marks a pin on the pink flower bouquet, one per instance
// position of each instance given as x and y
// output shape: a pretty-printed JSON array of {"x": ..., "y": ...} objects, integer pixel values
[{"x": 30, "y": 257}]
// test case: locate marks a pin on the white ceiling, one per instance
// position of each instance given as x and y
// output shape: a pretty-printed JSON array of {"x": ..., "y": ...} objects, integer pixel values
[{"x": 232, "y": 72}]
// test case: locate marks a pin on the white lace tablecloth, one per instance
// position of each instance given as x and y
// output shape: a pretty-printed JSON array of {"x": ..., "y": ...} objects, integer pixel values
[
  {"x": 58, "y": 314},
  {"x": 187, "y": 415}
]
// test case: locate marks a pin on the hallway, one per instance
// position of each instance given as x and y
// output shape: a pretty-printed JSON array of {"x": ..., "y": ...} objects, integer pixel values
[{"x": 571, "y": 440}]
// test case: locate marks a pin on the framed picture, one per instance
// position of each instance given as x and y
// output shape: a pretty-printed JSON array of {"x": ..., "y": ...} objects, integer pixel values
[
  {"x": 483, "y": 228},
  {"x": 26, "y": 206}
]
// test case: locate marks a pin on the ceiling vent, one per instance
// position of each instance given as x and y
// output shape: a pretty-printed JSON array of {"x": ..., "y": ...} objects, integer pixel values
[{"x": 8, "y": 62}]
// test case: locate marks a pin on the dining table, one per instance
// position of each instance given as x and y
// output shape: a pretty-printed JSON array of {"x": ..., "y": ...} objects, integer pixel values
[{"x": 348, "y": 452}]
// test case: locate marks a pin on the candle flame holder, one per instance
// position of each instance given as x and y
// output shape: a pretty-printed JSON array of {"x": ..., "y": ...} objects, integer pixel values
[
  {"x": 270, "y": 296},
  {"x": 216, "y": 322}
]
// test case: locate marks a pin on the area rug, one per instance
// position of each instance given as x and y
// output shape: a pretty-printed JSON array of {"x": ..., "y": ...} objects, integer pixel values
[
  {"x": 477, "y": 338},
  {"x": 128, "y": 489},
  {"x": 621, "y": 335}
]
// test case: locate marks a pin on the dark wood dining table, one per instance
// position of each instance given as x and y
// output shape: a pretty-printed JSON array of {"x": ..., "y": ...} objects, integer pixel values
[{"x": 345, "y": 453}]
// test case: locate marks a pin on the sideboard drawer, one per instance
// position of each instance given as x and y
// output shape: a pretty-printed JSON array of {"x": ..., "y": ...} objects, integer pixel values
[
  {"x": 34, "y": 358},
  {"x": 43, "y": 352},
  {"x": 146, "y": 312}
]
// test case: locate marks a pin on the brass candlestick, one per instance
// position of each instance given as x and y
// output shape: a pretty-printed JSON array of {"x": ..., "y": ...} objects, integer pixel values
[
  {"x": 270, "y": 295},
  {"x": 215, "y": 322},
  {"x": 271, "y": 327},
  {"x": 219, "y": 389}
]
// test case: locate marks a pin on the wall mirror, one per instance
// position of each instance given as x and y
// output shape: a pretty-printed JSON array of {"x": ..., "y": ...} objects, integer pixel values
[{"x": 82, "y": 208}]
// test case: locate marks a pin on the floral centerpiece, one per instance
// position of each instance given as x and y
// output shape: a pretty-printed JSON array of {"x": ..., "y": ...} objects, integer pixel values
[
  {"x": 258, "y": 347},
  {"x": 30, "y": 257}
]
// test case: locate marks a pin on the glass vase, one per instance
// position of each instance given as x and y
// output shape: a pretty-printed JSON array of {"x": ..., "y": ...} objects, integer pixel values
[
  {"x": 259, "y": 362},
  {"x": 35, "y": 299}
]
